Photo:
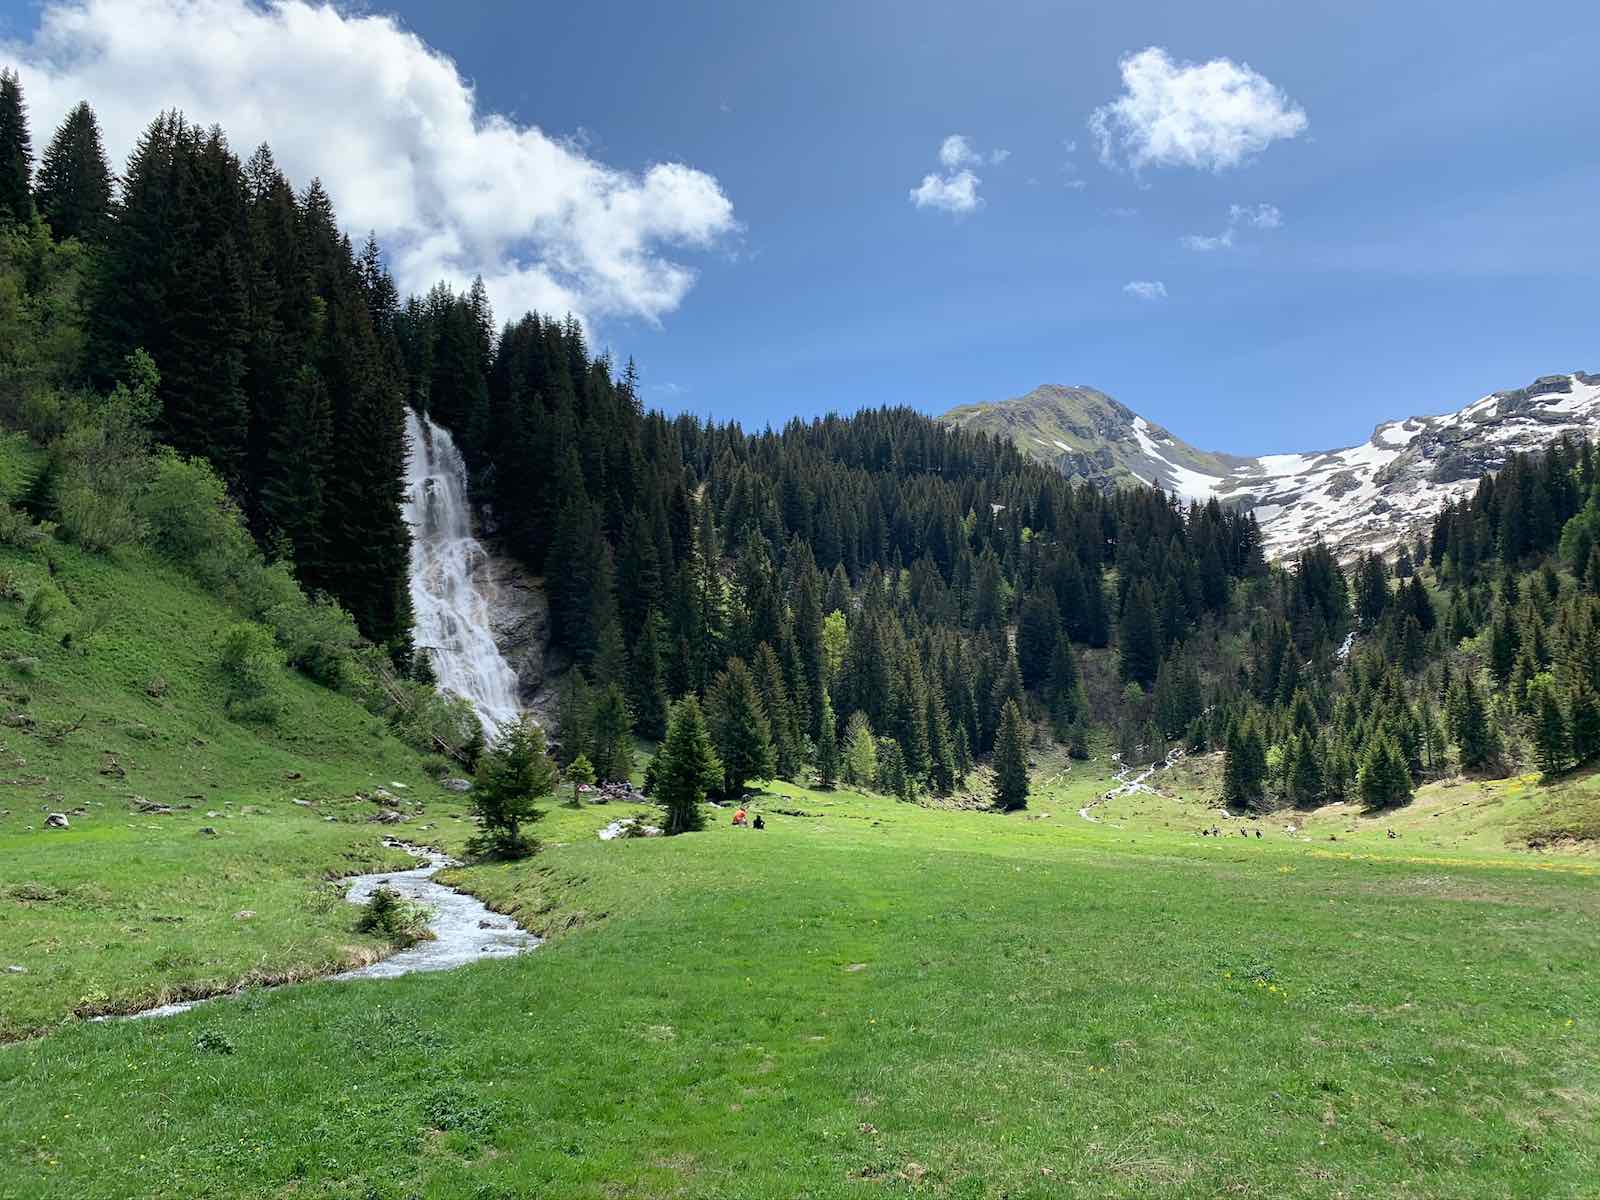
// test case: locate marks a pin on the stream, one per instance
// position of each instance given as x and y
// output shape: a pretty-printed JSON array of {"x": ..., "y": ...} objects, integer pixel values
[{"x": 464, "y": 929}]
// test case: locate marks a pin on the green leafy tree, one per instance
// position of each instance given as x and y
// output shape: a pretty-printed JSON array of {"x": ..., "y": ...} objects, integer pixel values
[
  {"x": 580, "y": 774},
  {"x": 685, "y": 769},
  {"x": 513, "y": 774},
  {"x": 1011, "y": 761},
  {"x": 860, "y": 751}
]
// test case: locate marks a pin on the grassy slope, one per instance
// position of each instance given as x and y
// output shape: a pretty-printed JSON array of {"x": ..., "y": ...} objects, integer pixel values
[
  {"x": 124, "y": 909},
  {"x": 872, "y": 998}
]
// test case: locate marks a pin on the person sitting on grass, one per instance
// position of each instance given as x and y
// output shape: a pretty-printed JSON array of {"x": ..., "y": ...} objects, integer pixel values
[
  {"x": 759, "y": 823},
  {"x": 739, "y": 817}
]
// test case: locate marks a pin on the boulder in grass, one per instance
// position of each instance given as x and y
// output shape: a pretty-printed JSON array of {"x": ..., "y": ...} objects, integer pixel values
[
  {"x": 456, "y": 785},
  {"x": 57, "y": 821}
]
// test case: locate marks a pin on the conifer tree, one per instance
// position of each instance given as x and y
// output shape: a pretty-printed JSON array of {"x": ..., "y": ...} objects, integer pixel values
[
  {"x": 1037, "y": 632},
  {"x": 611, "y": 735},
  {"x": 16, "y": 152},
  {"x": 1137, "y": 638},
  {"x": 1552, "y": 737},
  {"x": 74, "y": 187},
  {"x": 1244, "y": 767},
  {"x": 512, "y": 774},
  {"x": 646, "y": 692},
  {"x": 1474, "y": 731},
  {"x": 893, "y": 778},
  {"x": 685, "y": 769},
  {"x": 1011, "y": 761},
  {"x": 781, "y": 720},
  {"x": 739, "y": 728},
  {"x": 1383, "y": 779},
  {"x": 827, "y": 745}
]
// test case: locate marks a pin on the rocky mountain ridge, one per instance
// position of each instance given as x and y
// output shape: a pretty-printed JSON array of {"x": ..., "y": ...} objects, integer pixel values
[{"x": 1366, "y": 496}]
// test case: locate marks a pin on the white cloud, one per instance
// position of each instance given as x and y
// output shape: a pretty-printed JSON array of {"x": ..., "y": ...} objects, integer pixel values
[
  {"x": 397, "y": 137},
  {"x": 1202, "y": 243},
  {"x": 957, "y": 193},
  {"x": 1257, "y": 216},
  {"x": 1146, "y": 289},
  {"x": 955, "y": 188},
  {"x": 1262, "y": 216},
  {"x": 956, "y": 151},
  {"x": 1208, "y": 115},
  {"x": 1076, "y": 185}
]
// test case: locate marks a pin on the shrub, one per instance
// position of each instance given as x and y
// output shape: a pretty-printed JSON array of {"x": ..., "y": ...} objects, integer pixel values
[
  {"x": 252, "y": 667},
  {"x": 317, "y": 636},
  {"x": 389, "y": 915},
  {"x": 46, "y": 606},
  {"x": 437, "y": 722},
  {"x": 16, "y": 529}
]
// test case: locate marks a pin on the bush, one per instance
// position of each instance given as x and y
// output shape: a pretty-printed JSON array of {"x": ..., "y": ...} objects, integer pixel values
[
  {"x": 317, "y": 636},
  {"x": 437, "y": 722},
  {"x": 387, "y": 914},
  {"x": 47, "y": 606},
  {"x": 16, "y": 529},
  {"x": 252, "y": 667}
]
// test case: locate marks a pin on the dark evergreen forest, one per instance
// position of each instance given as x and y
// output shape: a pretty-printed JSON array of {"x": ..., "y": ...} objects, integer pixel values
[{"x": 873, "y": 589}]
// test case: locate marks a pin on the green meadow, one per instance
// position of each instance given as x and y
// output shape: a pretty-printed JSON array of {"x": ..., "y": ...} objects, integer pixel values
[{"x": 875, "y": 998}]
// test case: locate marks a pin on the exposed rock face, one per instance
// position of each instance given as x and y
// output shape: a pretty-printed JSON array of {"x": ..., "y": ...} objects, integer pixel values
[
  {"x": 519, "y": 619},
  {"x": 1369, "y": 496}
]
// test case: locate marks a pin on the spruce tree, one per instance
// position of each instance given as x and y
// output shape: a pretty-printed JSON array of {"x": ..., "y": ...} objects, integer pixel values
[
  {"x": 1137, "y": 637},
  {"x": 1011, "y": 761},
  {"x": 1552, "y": 737},
  {"x": 16, "y": 152},
  {"x": 646, "y": 691},
  {"x": 685, "y": 769},
  {"x": 512, "y": 774},
  {"x": 1037, "y": 631},
  {"x": 1474, "y": 731},
  {"x": 739, "y": 728},
  {"x": 611, "y": 735},
  {"x": 74, "y": 187},
  {"x": 827, "y": 745}
]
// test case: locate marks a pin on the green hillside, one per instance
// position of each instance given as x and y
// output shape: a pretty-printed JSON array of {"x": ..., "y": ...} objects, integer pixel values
[{"x": 116, "y": 704}]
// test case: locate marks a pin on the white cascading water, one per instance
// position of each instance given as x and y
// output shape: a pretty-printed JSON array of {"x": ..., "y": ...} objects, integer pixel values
[{"x": 448, "y": 601}]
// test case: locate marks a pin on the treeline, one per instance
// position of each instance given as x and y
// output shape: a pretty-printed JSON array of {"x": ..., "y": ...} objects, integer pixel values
[
  {"x": 1478, "y": 649},
  {"x": 860, "y": 595}
]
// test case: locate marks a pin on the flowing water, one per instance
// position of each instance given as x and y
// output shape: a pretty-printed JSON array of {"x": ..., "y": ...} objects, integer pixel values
[
  {"x": 464, "y": 930},
  {"x": 448, "y": 599}
]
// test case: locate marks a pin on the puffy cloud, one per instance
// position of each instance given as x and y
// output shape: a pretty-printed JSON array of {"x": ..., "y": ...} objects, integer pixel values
[
  {"x": 956, "y": 192},
  {"x": 1209, "y": 115},
  {"x": 955, "y": 188},
  {"x": 1146, "y": 289},
  {"x": 1256, "y": 216},
  {"x": 956, "y": 152},
  {"x": 397, "y": 137}
]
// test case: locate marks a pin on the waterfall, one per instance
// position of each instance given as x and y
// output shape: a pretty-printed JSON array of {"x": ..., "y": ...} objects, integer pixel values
[{"x": 447, "y": 596}]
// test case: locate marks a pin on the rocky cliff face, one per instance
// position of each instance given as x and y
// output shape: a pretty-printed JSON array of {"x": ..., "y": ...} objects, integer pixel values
[
  {"x": 1367, "y": 496},
  {"x": 519, "y": 619}
]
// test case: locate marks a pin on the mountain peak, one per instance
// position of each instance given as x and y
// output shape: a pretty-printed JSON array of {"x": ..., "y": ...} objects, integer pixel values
[{"x": 1367, "y": 496}]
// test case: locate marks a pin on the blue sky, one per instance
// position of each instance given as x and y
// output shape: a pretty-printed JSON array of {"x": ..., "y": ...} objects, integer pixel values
[{"x": 1432, "y": 238}]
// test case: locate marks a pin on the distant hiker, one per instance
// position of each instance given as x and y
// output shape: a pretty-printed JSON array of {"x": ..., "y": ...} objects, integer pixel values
[
  {"x": 760, "y": 824},
  {"x": 739, "y": 817}
]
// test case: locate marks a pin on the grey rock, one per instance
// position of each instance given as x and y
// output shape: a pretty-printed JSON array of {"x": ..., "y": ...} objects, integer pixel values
[
  {"x": 57, "y": 821},
  {"x": 388, "y": 817},
  {"x": 16, "y": 969},
  {"x": 456, "y": 785}
]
